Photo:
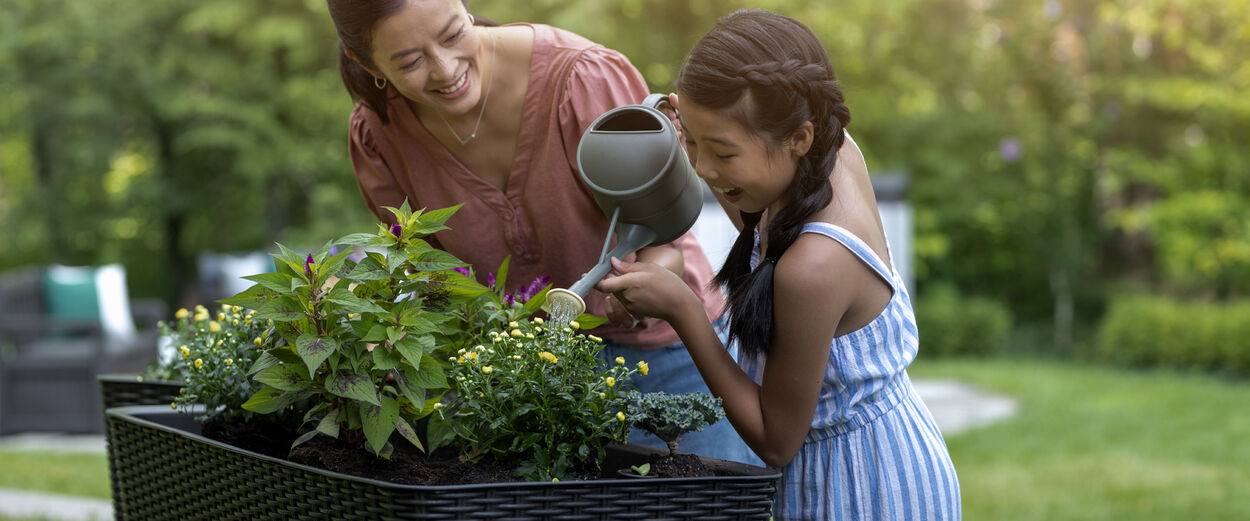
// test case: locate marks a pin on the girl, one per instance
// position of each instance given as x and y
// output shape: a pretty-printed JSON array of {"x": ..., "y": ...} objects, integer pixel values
[
  {"x": 453, "y": 110},
  {"x": 823, "y": 321}
]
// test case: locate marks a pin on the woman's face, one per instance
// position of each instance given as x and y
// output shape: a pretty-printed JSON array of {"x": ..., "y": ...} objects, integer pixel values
[
  {"x": 431, "y": 53},
  {"x": 736, "y": 163}
]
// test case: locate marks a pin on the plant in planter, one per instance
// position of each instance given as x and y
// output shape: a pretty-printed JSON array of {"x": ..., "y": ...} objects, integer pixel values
[
  {"x": 536, "y": 397},
  {"x": 669, "y": 417}
]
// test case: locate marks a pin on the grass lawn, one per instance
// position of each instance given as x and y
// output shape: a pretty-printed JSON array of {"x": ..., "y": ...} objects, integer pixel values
[
  {"x": 1094, "y": 443},
  {"x": 71, "y": 473}
]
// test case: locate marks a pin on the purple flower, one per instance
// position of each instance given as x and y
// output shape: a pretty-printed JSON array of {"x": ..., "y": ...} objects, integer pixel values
[
  {"x": 396, "y": 229},
  {"x": 1011, "y": 149},
  {"x": 508, "y": 300},
  {"x": 462, "y": 271},
  {"x": 533, "y": 288},
  {"x": 308, "y": 266},
  {"x": 490, "y": 280}
]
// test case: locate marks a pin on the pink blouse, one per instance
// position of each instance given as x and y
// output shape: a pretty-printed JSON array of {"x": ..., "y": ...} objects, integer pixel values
[{"x": 546, "y": 220}]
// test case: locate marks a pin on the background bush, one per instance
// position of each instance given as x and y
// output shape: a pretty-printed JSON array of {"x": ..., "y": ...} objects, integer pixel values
[
  {"x": 951, "y": 324},
  {"x": 1142, "y": 330}
]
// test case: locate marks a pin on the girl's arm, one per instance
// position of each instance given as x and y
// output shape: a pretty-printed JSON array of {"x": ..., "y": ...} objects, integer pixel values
[{"x": 772, "y": 418}]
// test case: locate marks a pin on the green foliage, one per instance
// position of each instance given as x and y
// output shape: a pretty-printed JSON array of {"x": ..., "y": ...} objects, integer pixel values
[
  {"x": 951, "y": 324},
  {"x": 212, "y": 355},
  {"x": 362, "y": 339},
  {"x": 1202, "y": 240},
  {"x": 1185, "y": 334},
  {"x": 536, "y": 395},
  {"x": 670, "y": 416}
]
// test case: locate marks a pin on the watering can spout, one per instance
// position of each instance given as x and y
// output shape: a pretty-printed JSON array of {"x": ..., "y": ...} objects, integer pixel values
[{"x": 632, "y": 161}]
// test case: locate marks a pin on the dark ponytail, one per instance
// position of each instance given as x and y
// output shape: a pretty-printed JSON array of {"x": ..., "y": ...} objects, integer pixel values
[
  {"x": 771, "y": 74},
  {"x": 354, "y": 20}
]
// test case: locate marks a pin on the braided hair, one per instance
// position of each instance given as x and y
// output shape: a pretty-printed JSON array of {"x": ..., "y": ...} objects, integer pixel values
[{"x": 771, "y": 74}]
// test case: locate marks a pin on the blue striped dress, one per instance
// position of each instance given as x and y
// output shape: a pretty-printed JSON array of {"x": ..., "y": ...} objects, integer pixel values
[{"x": 874, "y": 451}]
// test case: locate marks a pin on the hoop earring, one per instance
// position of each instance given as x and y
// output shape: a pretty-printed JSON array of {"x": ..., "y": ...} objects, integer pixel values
[
  {"x": 380, "y": 83},
  {"x": 471, "y": 19}
]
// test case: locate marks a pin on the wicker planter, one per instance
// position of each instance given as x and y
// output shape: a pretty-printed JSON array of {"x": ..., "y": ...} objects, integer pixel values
[
  {"x": 120, "y": 390},
  {"x": 161, "y": 468}
]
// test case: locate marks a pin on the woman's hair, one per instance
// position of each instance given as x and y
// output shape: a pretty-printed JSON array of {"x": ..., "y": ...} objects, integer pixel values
[
  {"x": 771, "y": 74},
  {"x": 354, "y": 20}
]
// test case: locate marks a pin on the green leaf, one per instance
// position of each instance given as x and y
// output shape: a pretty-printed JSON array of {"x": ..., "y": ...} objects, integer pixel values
[
  {"x": 501, "y": 275},
  {"x": 279, "y": 282},
  {"x": 354, "y": 386},
  {"x": 419, "y": 324},
  {"x": 405, "y": 430},
  {"x": 438, "y": 433},
  {"x": 304, "y": 438},
  {"x": 588, "y": 321},
  {"x": 284, "y": 377},
  {"x": 375, "y": 335},
  {"x": 329, "y": 424},
  {"x": 360, "y": 239},
  {"x": 350, "y": 303},
  {"x": 268, "y": 400},
  {"x": 385, "y": 359},
  {"x": 407, "y": 385},
  {"x": 440, "y": 216},
  {"x": 281, "y": 309},
  {"x": 379, "y": 422},
  {"x": 314, "y": 350},
  {"x": 263, "y": 361},
  {"x": 413, "y": 348},
  {"x": 250, "y": 298},
  {"x": 434, "y": 260},
  {"x": 369, "y": 269}
]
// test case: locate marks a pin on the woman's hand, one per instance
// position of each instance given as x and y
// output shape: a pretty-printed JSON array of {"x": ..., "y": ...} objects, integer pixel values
[{"x": 649, "y": 290}]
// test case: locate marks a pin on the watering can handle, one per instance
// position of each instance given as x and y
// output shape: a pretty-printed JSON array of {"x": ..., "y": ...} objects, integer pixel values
[{"x": 656, "y": 100}]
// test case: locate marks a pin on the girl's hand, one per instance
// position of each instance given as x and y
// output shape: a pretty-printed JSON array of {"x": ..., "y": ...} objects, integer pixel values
[{"x": 647, "y": 289}]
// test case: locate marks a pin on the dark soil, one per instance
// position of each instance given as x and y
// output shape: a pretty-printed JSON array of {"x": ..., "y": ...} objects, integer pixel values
[
  {"x": 407, "y": 465},
  {"x": 677, "y": 466}
]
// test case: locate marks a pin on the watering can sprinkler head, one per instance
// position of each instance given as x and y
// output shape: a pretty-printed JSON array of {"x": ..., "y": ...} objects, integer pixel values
[{"x": 632, "y": 161}]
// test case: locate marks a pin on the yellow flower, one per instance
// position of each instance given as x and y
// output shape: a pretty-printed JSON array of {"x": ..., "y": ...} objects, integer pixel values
[
  {"x": 214, "y": 327},
  {"x": 234, "y": 309},
  {"x": 182, "y": 313},
  {"x": 643, "y": 367},
  {"x": 546, "y": 355},
  {"x": 620, "y": 416},
  {"x": 185, "y": 352},
  {"x": 487, "y": 369},
  {"x": 610, "y": 381},
  {"x": 256, "y": 341},
  {"x": 620, "y": 360},
  {"x": 573, "y": 324},
  {"x": 221, "y": 316},
  {"x": 200, "y": 317},
  {"x": 512, "y": 324},
  {"x": 538, "y": 320},
  {"x": 595, "y": 338},
  {"x": 229, "y": 361},
  {"x": 235, "y": 322},
  {"x": 529, "y": 335},
  {"x": 199, "y": 363},
  {"x": 517, "y": 332},
  {"x": 471, "y": 355}
]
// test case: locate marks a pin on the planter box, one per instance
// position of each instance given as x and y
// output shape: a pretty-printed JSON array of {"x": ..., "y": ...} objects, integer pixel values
[
  {"x": 161, "y": 468},
  {"x": 120, "y": 390}
]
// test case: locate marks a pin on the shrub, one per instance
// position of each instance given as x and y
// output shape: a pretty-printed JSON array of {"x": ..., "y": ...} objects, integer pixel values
[
  {"x": 1143, "y": 330},
  {"x": 954, "y": 325},
  {"x": 671, "y": 416}
]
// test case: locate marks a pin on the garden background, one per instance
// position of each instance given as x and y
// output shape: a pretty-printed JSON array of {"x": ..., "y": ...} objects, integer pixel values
[{"x": 1079, "y": 175}]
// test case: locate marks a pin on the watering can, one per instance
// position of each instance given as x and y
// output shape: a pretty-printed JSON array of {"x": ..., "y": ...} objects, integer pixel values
[{"x": 632, "y": 161}]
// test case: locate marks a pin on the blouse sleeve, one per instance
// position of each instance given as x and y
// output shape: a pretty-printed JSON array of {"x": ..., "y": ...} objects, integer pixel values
[
  {"x": 600, "y": 80},
  {"x": 376, "y": 182}
]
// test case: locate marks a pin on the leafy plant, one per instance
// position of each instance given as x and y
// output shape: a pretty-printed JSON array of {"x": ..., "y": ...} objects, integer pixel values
[
  {"x": 641, "y": 470},
  {"x": 362, "y": 339},
  {"x": 535, "y": 394},
  {"x": 670, "y": 416},
  {"x": 211, "y": 356}
]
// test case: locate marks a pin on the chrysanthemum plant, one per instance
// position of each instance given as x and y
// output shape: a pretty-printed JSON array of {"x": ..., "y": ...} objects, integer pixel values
[
  {"x": 362, "y": 340},
  {"x": 536, "y": 395}
]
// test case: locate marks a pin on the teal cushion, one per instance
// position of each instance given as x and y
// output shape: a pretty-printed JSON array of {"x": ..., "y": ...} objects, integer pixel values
[{"x": 70, "y": 293}]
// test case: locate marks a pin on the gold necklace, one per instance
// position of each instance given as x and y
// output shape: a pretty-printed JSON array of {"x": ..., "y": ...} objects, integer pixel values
[{"x": 485, "y": 98}]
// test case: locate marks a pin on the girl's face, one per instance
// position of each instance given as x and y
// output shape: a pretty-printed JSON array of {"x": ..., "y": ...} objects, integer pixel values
[
  {"x": 431, "y": 53},
  {"x": 735, "y": 162}
]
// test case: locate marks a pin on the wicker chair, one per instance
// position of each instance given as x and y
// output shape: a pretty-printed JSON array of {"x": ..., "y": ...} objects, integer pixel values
[{"x": 48, "y": 364}]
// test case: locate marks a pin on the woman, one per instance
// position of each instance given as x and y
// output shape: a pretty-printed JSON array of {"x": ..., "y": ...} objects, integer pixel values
[
  {"x": 823, "y": 320},
  {"x": 451, "y": 112}
]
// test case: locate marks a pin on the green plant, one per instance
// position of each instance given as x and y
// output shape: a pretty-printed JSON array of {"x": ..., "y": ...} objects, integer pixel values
[
  {"x": 951, "y": 324},
  {"x": 536, "y": 395},
  {"x": 211, "y": 355},
  {"x": 670, "y": 416},
  {"x": 641, "y": 470},
  {"x": 362, "y": 340}
]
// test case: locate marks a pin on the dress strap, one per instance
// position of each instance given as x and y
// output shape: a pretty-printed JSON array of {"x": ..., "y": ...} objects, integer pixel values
[{"x": 857, "y": 246}]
